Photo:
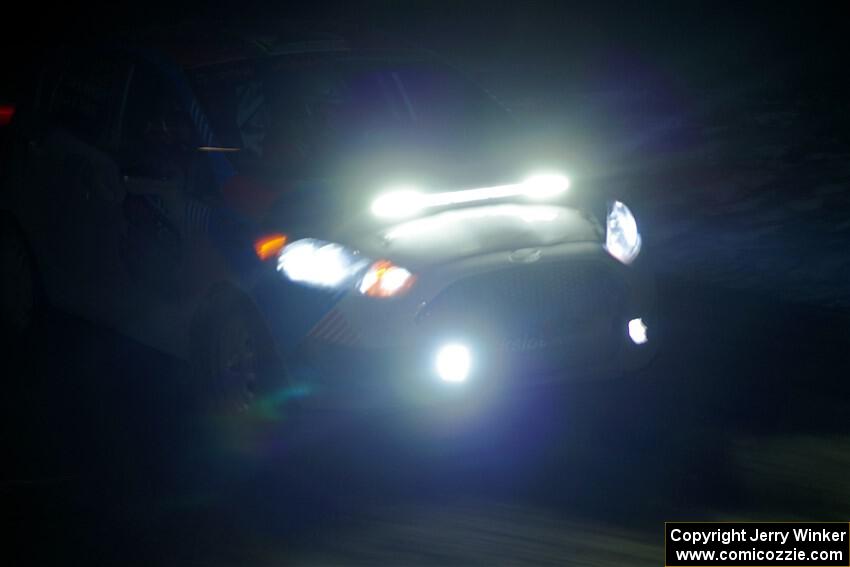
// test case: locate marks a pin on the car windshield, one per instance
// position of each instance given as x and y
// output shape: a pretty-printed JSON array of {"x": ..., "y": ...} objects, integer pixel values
[{"x": 292, "y": 117}]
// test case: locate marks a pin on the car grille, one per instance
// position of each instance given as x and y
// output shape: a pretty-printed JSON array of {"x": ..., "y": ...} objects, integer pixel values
[{"x": 532, "y": 307}]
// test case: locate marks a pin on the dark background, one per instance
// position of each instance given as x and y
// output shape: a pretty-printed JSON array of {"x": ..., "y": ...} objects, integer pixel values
[{"x": 727, "y": 126}]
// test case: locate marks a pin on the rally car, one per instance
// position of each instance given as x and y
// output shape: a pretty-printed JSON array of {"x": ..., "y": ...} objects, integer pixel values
[{"x": 313, "y": 216}]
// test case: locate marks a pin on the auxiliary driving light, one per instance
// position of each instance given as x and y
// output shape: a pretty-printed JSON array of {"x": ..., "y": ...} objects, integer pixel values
[
  {"x": 637, "y": 331},
  {"x": 399, "y": 204},
  {"x": 453, "y": 363}
]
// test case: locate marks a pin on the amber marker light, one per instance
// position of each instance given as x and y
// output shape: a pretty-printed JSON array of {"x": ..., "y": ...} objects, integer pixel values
[{"x": 269, "y": 246}]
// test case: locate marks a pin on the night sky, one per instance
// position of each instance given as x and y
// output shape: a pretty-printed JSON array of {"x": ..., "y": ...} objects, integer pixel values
[{"x": 698, "y": 41}]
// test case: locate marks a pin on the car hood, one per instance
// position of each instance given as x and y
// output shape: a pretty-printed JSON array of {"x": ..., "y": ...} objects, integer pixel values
[{"x": 461, "y": 233}]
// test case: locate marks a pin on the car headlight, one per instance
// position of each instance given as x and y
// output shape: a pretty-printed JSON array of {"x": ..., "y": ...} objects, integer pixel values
[
  {"x": 319, "y": 263},
  {"x": 622, "y": 239},
  {"x": 385, "y": 279},
  {"x": 332, "y": 266}
]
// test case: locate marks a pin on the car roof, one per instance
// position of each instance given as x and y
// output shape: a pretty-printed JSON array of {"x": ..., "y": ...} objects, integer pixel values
[{"x": 205, "y": 44}]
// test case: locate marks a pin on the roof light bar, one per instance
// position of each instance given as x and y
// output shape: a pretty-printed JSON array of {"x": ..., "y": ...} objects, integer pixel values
[{"x": 408, "y": 202}]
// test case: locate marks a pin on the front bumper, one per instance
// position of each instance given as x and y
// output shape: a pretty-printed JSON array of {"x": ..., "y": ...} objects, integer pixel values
[
  {"x": 335, "y": 376},
  {"x": 561, "y": 320}
]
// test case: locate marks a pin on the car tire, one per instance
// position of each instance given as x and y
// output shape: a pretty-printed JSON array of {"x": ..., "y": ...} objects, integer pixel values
[
  {"x": 21, "y": 299},
  {"x": 239, "y": 379}
]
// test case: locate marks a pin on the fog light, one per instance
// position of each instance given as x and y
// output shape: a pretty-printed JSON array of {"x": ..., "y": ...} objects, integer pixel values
[
  {"x": 637, "y": 331},
  {"x": 453, "y": 362}
]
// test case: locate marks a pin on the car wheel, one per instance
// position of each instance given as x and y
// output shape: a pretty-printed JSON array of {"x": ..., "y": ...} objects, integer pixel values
[
  {"x": 235, "y": 365},
  {"x": 245, "y": 408},
  {"x": 21, "y": 305}
]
